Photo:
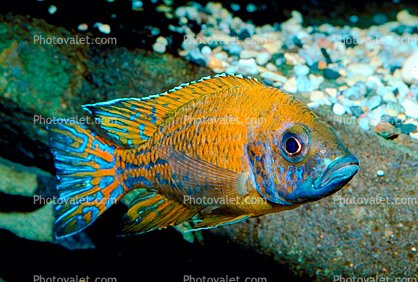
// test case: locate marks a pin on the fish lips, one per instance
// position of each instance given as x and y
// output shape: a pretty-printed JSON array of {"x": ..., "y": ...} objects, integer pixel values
[{"x": 335, "y": 177}]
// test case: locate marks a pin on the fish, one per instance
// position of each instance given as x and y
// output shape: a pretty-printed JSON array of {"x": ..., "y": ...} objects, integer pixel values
[{"x": 215, "y": 151}]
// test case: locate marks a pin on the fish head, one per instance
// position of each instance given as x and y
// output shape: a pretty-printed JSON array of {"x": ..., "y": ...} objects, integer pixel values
[{"x": 300, "y": 160}]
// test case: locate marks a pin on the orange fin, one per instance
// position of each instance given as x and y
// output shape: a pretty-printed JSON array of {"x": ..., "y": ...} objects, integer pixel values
[
  {"x": 132, "y": 121},
  {"x": 215, "y": 220},
  {"x": 149, "y": 211},
  {"x": 198, "y": 178},
  {"x": 86, "y": 173}
]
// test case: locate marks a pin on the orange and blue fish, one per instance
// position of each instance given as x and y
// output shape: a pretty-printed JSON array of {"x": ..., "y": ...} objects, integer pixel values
[{"x": 221, "y": 149}]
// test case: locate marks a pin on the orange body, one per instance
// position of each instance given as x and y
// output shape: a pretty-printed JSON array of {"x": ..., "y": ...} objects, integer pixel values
[{"x": 226, "y": 148}]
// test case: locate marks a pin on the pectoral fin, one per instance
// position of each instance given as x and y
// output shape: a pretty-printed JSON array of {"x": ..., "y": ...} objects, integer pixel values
[
  {"x": 201, "y": 179},
  {"x": 215, "y": 220}
]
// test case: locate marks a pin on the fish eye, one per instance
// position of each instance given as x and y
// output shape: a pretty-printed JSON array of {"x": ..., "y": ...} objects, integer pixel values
[{"x": 294, "y": 144}]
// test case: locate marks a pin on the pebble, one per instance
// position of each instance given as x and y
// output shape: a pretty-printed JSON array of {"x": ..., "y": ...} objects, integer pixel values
[
  {"x": 404, "y": 17},
  {"x": 206, "y": 50},
  {"x": 251, "y": 8},
  {"x": 380, "y": 173},
  {"x": 52, "y": 9},
  {"x": 304, "y": 84},
  {"x": 273, "y": 76},
  {"x": 332, "y": 92},
  {"x": 196, "y": 57},
  {"x": 317, "y": 96},
  {"x": 389, "y": 97},
  {"x": 357, "y": 111},
  {"x": 409, "y": 70},
  {"x": 159, "y": 48},
  {"x": 83, "y": 27},
  {"x": 338, "y": 109},
  {"x": 387, "y": 130},
  {"x": 301, "y": 70},
  {"x": 380, "y": 19},
  {"x": 214, "y": 63},
  {"x": 411, "y": 108},
  {"x": 235, "y": 7},
  {"x": 316, "y": 80},
  {"x": 290, "y": 86},
  {"x": 360, "y": 69},
  {"x": 330, "y": 74},
  {"x": 249, "y": 66},
  {"x": 262, "y": 58},
  {"x": 293, "y": 59},
  {"x": 103, "y": 28},
  {"x": 374, "y": 102},
  {"x": 376, "y": 115},
  {"x": 271, "y": 67},
  {"x": 414, "y": 135},
  {"x": 352, "y": 93},
  {"x": 137, "y": 5}
]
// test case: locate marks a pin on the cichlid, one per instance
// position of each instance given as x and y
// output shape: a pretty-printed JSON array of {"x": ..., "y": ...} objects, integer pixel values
[{"x": 224, "y": 148}]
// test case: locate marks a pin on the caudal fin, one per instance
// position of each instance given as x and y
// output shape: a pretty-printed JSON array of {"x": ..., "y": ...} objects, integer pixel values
[{"x": 87, "y": 176}]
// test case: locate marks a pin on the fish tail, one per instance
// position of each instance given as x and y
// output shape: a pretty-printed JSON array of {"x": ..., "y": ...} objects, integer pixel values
[{"x": 87, "y": 176}]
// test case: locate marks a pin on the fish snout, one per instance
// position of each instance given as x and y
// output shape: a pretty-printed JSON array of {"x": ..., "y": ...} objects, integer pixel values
[
  {"x": 338, "y": 174},
  {"x": 335, "y": 177}
]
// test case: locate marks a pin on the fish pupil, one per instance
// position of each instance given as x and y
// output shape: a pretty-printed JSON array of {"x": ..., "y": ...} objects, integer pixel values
[{"x": 292, "y": 146}]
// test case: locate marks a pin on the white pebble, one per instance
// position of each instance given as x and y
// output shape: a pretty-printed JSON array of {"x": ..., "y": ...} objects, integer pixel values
[
  {"x": 206, "y": 50},
  {"x": 301, "y": 70},
  {"x": 83, "y": 27},
  {"x": 338, "y": 109},
  {"x": 159, "y": 48},
  {"x": 104, "y": 28},
  {"x": 411, "y": 108},
  {"x": 380, "y": 173},
  {"x": 361, "y": 69},
  {"x": 262, "y": 58}
]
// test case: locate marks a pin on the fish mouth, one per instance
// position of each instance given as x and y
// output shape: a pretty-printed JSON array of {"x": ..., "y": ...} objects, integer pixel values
[
  {"x": 335, "y": 177},
  {"x": 338, "y": 174}
]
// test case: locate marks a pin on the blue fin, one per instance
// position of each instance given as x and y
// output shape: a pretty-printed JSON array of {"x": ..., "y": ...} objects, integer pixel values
[{"x": 87, "y": 176}]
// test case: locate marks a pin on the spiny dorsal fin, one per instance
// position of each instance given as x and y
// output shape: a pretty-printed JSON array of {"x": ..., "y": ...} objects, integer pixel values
[{"x": 132, "y": 121}]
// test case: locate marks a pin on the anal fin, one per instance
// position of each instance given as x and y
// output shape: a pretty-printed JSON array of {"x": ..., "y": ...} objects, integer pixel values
[{"x": 150, "y": 210}]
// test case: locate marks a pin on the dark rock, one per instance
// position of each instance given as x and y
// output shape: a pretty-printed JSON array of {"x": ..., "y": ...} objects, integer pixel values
[
  {"x": 401, "y": 29},
  {"x": 356, "y": 111},
  {"x": 330, "y": 74},
  {"x": 392, "y": 120},
  {"x": 326, "y": 56},
  {"x": 314, "y": 67},
  {"x": 244, "y": 34},
  {"x": 349, "y": 42},
  {"x": 408, "y": 128}
]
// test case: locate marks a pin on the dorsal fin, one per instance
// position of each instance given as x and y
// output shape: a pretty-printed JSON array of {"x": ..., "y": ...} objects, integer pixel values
[{"x": 132, "y": 121}]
